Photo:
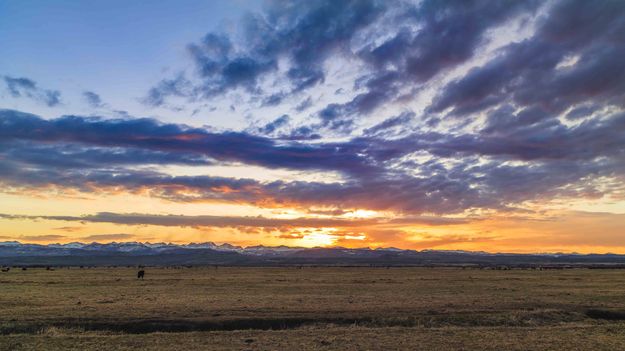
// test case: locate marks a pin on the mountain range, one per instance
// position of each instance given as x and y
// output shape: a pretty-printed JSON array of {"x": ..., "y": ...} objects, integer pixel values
[{"x": 208, "y": 253}]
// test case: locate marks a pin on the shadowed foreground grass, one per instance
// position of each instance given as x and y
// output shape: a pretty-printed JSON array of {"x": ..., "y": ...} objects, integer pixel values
[{"x": 312, "y": 308}]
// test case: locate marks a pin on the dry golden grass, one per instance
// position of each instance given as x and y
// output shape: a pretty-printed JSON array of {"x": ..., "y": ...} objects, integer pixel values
[{"x": 311, "y": 308}]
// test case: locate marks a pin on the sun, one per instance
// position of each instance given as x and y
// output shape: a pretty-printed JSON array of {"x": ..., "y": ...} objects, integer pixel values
[{"x": 319, "y": 238}]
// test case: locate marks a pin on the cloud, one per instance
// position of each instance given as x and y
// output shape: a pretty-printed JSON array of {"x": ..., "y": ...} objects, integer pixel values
[
  {"x": 305, "y": 33},
  {"x": 200, "y": 221},
  {"x": 50, "y": 237},
  {"x": 397, "y": 44},
  {"x": 274, "y": 125},
  {"x": 536, "y": 120},
  {"x": 96, "y": 155},
  {"x": 292, "y": 236},
  {"x": 547, "y": 140},
  {"x": 105, "y": 237},
  {"x": 55, "y": 237},
  {"x": 238, "y": 221},
  {"x": 390, "y": 123},
  {"x": 93, "y": 99},
  {"x": 402, "y": 47},
  {"x": 396, "y": 59},
  {"x": 24, "y": 87},
  {"x": 427, "y": 241},
  {"x": 449, "y": 34},
  {"x": 427, "y": 111},
  {"x": 304, "y": 104},
  {"x": 69, "y": 229},
  {"x": 72, "y": 156},
  {"x": 529, "y": 73},
  {"x": 150, "y": 134},
  {"x": 177, "y": 86}
]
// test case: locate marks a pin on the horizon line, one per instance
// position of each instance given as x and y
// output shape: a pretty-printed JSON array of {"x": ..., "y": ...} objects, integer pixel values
[{"x": 318, "y": 247}]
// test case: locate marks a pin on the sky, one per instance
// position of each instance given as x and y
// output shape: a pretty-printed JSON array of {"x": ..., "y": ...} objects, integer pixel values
[{"x": 495, "y": 126}]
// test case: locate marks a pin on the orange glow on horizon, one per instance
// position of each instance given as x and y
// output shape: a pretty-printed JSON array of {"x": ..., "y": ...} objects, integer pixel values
[{"x": 555, "y": 230}]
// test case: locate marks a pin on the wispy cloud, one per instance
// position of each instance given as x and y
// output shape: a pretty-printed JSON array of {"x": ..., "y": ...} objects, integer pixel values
[
  {"x": 42, "y": 238},
  {"x": 25, "y": 87},
  {"x": 93, "y": 99},
  {"x": 236, "y": 221},
  {"x": 107, "y": 237}
]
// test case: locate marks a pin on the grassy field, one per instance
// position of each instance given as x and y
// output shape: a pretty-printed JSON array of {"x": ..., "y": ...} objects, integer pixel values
[{"x": 312, "y": 308}]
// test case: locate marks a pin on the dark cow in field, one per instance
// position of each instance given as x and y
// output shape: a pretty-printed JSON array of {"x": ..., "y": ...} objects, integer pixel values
[
  {"x": 6, "y": 269},
  {"x": 140, "y": 274}
]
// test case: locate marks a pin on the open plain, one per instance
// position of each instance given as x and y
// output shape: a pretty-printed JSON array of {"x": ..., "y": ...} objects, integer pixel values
[{"x": 310, "y": 308}]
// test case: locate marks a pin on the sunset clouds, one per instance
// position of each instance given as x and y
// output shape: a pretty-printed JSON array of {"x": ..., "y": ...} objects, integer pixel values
[{"x": 357, "y": 123}]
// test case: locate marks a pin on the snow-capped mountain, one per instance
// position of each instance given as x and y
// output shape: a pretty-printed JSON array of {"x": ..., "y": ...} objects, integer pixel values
[
  {"x": 212, "y": 246},
  {"x": 72, "y": 245},
  {"x": 129, "y": 253}
]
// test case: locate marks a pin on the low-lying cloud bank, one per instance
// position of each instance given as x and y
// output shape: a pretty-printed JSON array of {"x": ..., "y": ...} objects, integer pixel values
[{"x": 237, "y": 221}]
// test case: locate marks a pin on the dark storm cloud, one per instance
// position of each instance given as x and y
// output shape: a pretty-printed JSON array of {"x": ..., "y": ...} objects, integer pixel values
[{"x": 24, "y": 87}]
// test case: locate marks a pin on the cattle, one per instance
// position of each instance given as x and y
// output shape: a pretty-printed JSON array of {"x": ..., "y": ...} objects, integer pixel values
[
  {"x": 6, "y": 269},
  {"x": 140, "y": 274}
]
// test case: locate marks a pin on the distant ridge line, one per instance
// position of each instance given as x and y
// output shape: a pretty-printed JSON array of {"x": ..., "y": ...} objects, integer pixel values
[
  {"x": 129, "y": 245},
  {"x": 15, "y": 253}
]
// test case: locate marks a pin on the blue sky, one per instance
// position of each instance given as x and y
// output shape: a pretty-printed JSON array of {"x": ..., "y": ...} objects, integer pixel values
[
  {"x": 115, "y": 48},
  {"x": 486, "y": 125}
]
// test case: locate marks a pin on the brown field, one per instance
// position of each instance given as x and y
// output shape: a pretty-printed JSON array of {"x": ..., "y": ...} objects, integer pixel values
[{"x": 312, "y": 309}]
